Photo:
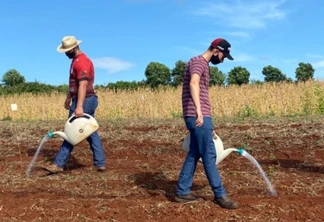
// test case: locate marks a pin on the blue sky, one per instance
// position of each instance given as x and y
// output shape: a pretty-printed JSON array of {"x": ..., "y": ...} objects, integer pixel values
[{"x": 123, "y": 36}]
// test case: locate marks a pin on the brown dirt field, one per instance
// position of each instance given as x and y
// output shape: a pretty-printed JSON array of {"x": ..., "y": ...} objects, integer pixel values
[{"x": 144, "y": 158}]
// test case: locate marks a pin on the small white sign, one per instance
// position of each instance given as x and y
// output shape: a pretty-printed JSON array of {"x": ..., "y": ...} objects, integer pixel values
[{"x": 14, "y": 107}]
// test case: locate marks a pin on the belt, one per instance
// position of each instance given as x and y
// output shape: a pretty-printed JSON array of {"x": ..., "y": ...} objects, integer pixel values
[{"x": 87, "y": 96}]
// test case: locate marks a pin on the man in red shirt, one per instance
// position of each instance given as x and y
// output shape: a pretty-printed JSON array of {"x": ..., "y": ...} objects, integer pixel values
[{"x": 84, "y": 100}]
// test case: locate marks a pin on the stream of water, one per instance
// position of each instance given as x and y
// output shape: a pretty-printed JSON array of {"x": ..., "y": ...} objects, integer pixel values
[
  {"x": 31, "y": 164},
  {"x": 273, "y": 192}
]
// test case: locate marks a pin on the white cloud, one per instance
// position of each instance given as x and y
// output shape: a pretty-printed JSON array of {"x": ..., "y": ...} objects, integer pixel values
[
  {"x": 289, "y": 61},
  {"x": 146, "y": 1},
  {"x": 253, "y": 14},
  {"x": 112, "y": 65},
  {"x": 242, "y": 57},
  {"x": 319, "y": 64},
  {"x": 239, "y": 34},
  {"x": 264, "y": 58},
  {"x": 315, "y": 56},
  {"x": 137, "y": 1},
  {"x": 319, "y": 58},
  {"x": 189, "y": 50}
]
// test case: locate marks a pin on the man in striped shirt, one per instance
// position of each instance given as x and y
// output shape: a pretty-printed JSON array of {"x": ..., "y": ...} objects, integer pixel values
[{"x": 197, "y": 116}]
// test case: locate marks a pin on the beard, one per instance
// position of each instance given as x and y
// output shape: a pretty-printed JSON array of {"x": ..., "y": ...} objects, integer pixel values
[{"x": 215, "y": 60}]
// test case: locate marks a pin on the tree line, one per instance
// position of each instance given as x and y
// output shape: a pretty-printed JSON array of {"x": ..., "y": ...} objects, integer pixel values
[{"x": 159, "y": 75}]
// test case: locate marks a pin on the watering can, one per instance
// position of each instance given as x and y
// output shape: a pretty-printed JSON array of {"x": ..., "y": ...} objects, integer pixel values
[
  {"x": 77, "y": 129},
  {"x": 221, "y": 153}
]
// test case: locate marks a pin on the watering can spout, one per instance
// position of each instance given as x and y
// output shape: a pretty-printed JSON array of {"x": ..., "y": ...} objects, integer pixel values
[
  {"x": 223, "y": 154},
  {"x": 240, "y": 151},
  {"x": 50, "y": 134},
  {"x": 61, "y": 134}
]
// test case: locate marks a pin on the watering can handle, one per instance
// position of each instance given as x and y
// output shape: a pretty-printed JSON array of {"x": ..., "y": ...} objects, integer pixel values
[
  {"x": 215, "y": 135},
  {"x": 74, "y": 117}
]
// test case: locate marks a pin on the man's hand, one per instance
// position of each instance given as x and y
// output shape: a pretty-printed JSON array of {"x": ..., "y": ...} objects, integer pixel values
[
  {"x": 200, "y": 118},
  {"x": 78, "y": 111},
  {"x": 67, "y": 103}
]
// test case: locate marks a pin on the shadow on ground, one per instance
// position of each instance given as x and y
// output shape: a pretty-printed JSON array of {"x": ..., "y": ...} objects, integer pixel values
[
  {"x": 49, "y": 154},
  {"x": 156, "y": 182},
  {"x": 296, "y": 164}
]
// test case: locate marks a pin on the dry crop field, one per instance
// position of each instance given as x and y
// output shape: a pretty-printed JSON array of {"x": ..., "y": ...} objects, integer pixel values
[
  {"x": 250, "y": 100},
  {"x": 144, "y": 157}
]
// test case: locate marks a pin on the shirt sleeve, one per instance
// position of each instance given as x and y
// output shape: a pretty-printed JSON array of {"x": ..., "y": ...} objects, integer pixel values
[
  {"x": 83, "y": 71},
  {"x": 196, "y": 68}
]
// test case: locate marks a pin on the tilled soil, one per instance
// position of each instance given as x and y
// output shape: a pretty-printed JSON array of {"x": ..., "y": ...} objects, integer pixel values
[{"x": 144, "y": 158}]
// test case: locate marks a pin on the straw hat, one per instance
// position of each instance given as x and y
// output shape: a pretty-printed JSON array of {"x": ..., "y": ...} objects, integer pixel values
[{"x": 68, "y": 43}]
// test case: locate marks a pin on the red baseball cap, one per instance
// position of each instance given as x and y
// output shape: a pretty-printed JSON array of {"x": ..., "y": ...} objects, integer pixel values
[{"x": 223, "y": 46}]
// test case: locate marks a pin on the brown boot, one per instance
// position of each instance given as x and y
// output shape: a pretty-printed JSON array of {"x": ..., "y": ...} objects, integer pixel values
[
  {"x": 53, "y": 168},
  {"x": 101, "y": 169},
  {"x": 225, "y": 202},
  {"x": 186, "y": 198}
]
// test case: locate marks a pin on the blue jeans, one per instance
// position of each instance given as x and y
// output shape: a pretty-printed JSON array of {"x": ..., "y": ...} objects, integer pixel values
[
  {"x": 201, "y": 146},
  {"x": 89, "y": 106}
]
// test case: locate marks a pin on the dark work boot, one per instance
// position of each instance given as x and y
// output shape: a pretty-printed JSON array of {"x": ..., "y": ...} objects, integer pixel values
[
  {"x": 186, "y": 198},
  {"x": 225, "y": 202},
  {"x": 53, "y": 168},
  {"x": 101, "y": 168}
]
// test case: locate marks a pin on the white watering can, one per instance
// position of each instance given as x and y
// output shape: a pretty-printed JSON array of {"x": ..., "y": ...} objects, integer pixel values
[
  {"x": 77, "y": 129},
  {"x": 221, "y": 153}
]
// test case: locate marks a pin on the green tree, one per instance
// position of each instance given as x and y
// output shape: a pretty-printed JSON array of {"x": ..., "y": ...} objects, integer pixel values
[
  {"x": 124, "y": 85},
  {"x": 62, "y": 88},
  {"x": 304, "y": 72},
  {"x": 12, "y": 78},
  {"x": 273, "y": 74},
  {"x": 142, "y": 84},
  {"x": 36, "y": 87},
  {"x": 28, "y": 87},
  {"x": 157, "y": 74},
  {"x": 256, "y": 82},
  {"x": 177, "y": 73},
  {"x": 238, "y": 76},
  {"x": 217, "y": 77}
]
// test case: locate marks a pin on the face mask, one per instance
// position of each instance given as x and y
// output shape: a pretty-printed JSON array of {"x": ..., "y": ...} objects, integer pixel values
[
  {"x": 215, "y": 60},
  {"x": 70, "y": 55}
]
